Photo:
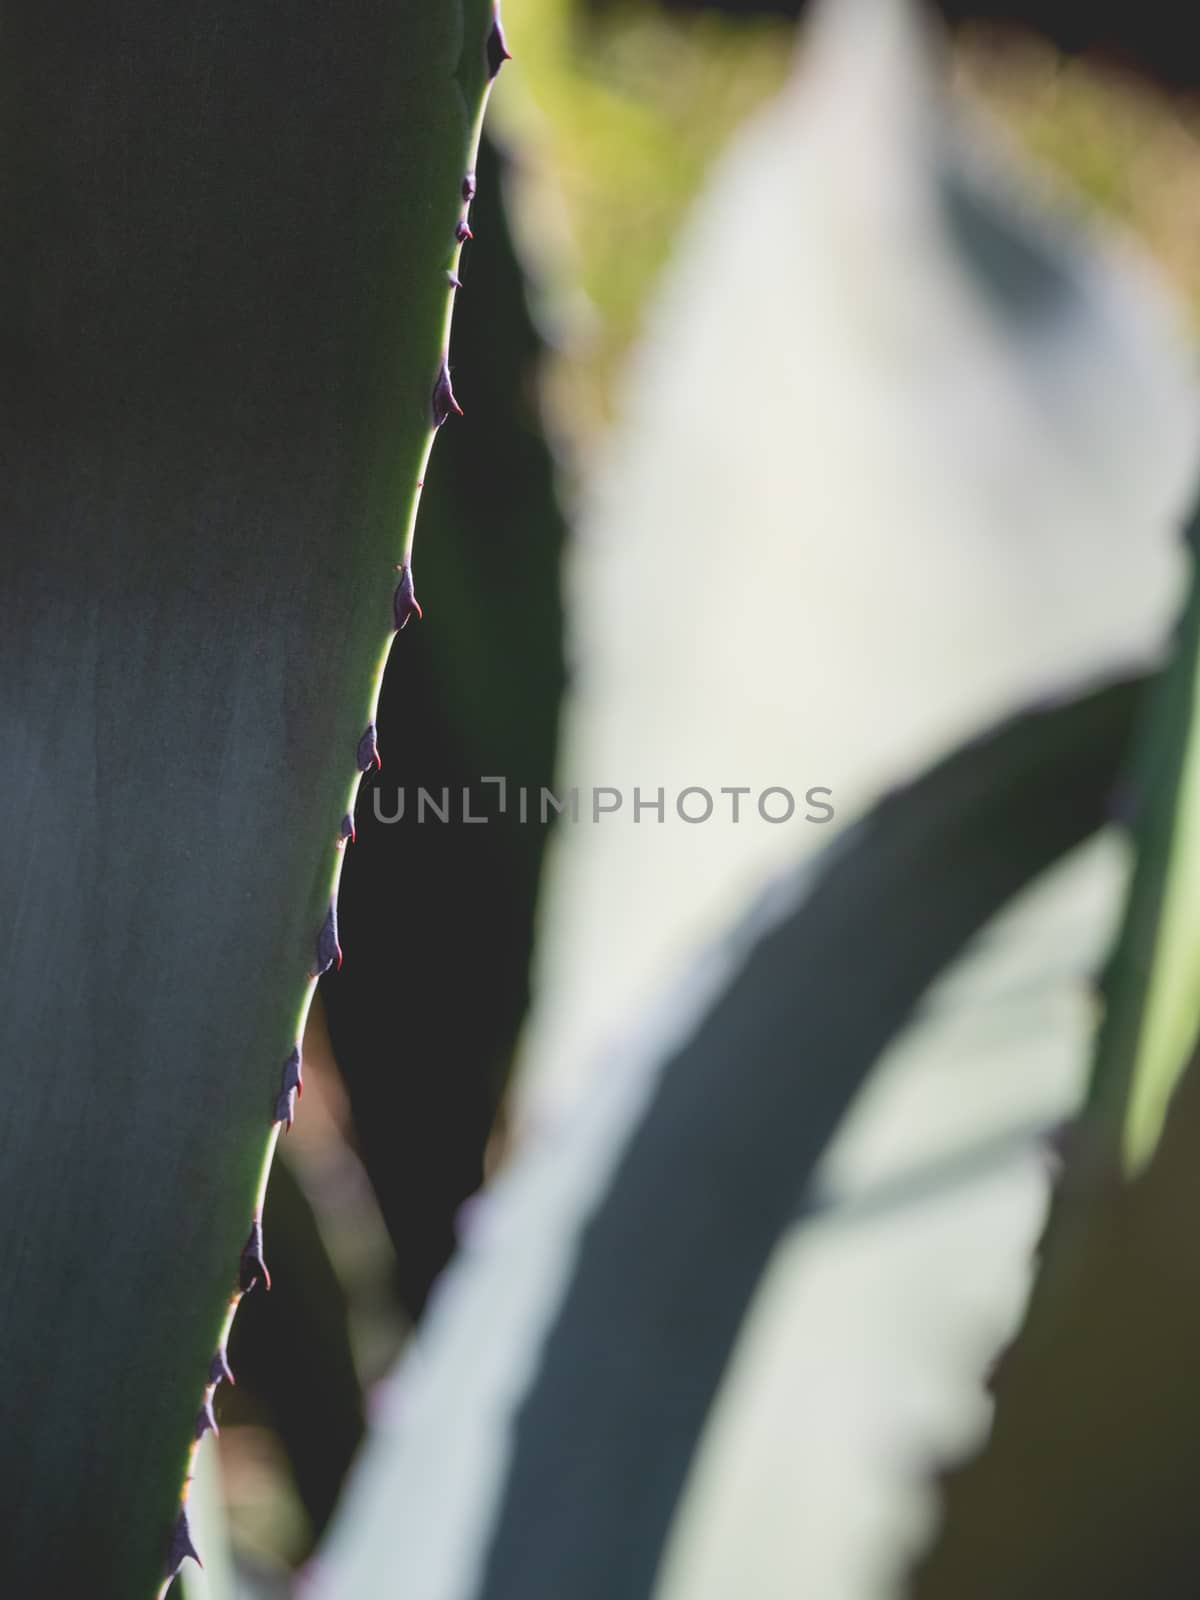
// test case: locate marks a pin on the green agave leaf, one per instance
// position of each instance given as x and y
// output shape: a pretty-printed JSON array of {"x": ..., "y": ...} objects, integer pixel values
[
  {"x": 1152, "y": 986},
  {"x": 292, "y": 1354},
  {"x": 1084, "y": 1486},
  {"x": 1087, "y": 1483},
  {"x": 223, "y": 313},
  {"x": 448, "y": 908},
  {"x": 206, "y": 1510},
  {"x": 613, "y": 1265}
]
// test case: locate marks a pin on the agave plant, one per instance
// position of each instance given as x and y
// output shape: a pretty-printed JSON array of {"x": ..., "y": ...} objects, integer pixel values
[
  {"x": 787, "y": 1097},
  {"x": 231, "y": 254}
]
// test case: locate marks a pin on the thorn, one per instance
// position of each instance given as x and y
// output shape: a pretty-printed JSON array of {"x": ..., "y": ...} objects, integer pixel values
[
  {"x": 454, "y": 280},
  {"x": 468, "y": 187},
  {"x": 291, "y": 1072},
  {"x": 404, "y": 601},
  {"x": 461, "y": 230},
  {"x": 181, "y": 1547},
  {"x": 443, "y": 396},
  {"x": 290, "y": 1090},
  {"x": 251, "y": 1266},
  {"x": 219, "y": 1370},
  {"x": 206, "y": 1421},
  {"x": 285, "y": 1108},
  {"x": 329, "y": 951},
  {"x": 368, "y": 750},
  {"x": 497, "y": 50},
  {"x": 346, "y": 834}
]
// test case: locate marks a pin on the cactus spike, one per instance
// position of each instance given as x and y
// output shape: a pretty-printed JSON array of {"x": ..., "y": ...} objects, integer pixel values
[
  {"x": 404, "y": 601},
  {"x": 206, "y": 1421},
  {"x": 329, "y": 951},
  {"x": 292, "y": 1078},
  {"x": 180, "y": 1547},
  {"x": 219, "y": 1370},
  {"x": 468, "y": 187},
  {"x": 251, "y": 1266},
  {"x": 453, "y": 279},
  {"x": 346, "y": 833},
  {"x": 290, "y": 1090},
  {"x": 497, "y": 49},
  {"x": 368, "y": 750},
  {"x": 443, "y": 396},
  {"x": 462, "y": 231}
]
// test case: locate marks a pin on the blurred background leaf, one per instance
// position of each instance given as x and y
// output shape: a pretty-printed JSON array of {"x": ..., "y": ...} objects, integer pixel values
[
  {"x": 1086, "y": 1483},
  {"x": 617, "y": 1255},
  {"x": 215, "y": 1580},
  {"x": 1154, "y": 37},
  {"x": 1081, "y": 1487}
]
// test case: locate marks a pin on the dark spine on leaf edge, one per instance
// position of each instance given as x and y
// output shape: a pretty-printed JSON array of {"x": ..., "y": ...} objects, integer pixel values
[
  {"x": 329, "y": 951},
  {"x": 368, "y": 750},
  {"x": 290, "y": 1089},
  {"x": 404, "y": 601},
  {"x": 206, "y": 1421},
  {"x": 219, "y": 1370},
  {"x": 181, "y": 1548},
  {"x": 251, "y": 1266},
  {"x": 497, "y": 49},
  {"x": 443, "y": 396}
]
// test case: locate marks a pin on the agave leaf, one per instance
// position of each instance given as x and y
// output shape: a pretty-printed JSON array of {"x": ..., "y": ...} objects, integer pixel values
[
  {"x": 215, "y": 1580},
  {"x": 223, "y": 311},
  {"x": 1082, "y": 1487},
  {"x": 872, "y": 489},
  {"x": 447, "y": 909},
  {"x": 1086, "y": 1484},
  {"x": 614, "y": 1262},
  {"x": 866, "y": 496},
  {"x": 1152, "y": 986},
  {"x": 292, "y": 1354}
]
